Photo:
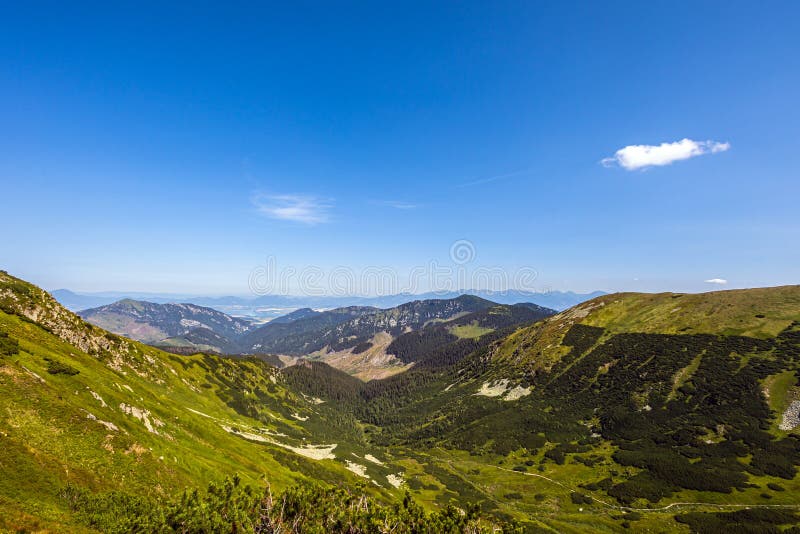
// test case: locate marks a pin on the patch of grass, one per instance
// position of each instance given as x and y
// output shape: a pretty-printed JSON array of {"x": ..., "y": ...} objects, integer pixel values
[
  {"x": 469, "y": 331},
  {"x": 780, "y": 392}
]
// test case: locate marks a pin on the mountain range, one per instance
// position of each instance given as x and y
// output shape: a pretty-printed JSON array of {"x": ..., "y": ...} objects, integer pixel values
[
  {"x": 271, "y": 306},
  {"x": 354, "y": 338},
  {"x": 629, "y": 412}
]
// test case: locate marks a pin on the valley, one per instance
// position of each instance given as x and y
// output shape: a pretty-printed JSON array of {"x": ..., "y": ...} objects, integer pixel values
[
  {"x": 361, "y": 340},
  {"x": 549, "y": 421}
]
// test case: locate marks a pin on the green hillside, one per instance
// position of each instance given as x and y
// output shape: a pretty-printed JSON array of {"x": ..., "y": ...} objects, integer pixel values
[
  {"x": 610, "y": 409},
  {"x": 83, "y": 408},
  {"x": 639, "y": 411},
  {"x": 761, "y": 313}
]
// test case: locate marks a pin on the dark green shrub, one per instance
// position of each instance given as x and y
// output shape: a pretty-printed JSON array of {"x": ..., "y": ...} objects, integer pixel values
[
  {"x": 580, "y": 498},
  {"x": 8, "y": 346},
  {"x": 55, "y": 367},
  {"x": 754, "y": 520},
  {"x": 230, "y": 507}
]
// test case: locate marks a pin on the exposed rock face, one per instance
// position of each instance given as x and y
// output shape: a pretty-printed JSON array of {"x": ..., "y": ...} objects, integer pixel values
[
  {"x": 23, "y": 299},
  {"x": 791, "y": 417},
  {"x": 150, "y": 422},
  {"x": 36, "y": 305}
]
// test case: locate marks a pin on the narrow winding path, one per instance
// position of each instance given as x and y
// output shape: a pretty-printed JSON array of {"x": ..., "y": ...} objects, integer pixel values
[{"x": 662, "y": 509}]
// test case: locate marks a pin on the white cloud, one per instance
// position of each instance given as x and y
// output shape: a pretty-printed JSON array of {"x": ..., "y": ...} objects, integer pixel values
[
  {"x": 634, "y": 157},
  {"x": 717, "y": 281},
  {"x": 298, "y": 208}
]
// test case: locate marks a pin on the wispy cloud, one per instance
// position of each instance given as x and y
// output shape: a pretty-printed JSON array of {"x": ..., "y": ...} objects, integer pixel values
[
  {"x": 717, "y": 281},
  {"x": 634, "y": 157},
  {"x": 397, "y": 204},
  {"x": 297, "y": 208},
  {"x": 488, "y": 179}
]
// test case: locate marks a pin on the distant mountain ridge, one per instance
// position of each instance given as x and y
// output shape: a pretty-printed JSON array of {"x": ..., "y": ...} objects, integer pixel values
[
  {"x": 301, "y": 313},
  {"x": 155, "y": 323},
  {"x": 424, "y": 344},
  {"x": 297, "y": 337},
  {"x": 255, "y": 306},
  {"x": 383, "y": 343},
  {"x": 353, "y": 338},
  {"x": 343, "y": 332},
  {"x": 188, "y": 328}
]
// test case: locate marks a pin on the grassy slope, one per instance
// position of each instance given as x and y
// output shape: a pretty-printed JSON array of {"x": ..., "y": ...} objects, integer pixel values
[
  {"x": 469, "y": 331},
  {"x": 760, "y": 313},
  {"x": 735, "y": 312},
  {"x": 52, "y": 429}
]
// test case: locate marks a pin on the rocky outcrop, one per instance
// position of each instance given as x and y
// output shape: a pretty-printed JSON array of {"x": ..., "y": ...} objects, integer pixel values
[
  {"x": 791, "y": 417},
  {"x": 37, "y": 306}
]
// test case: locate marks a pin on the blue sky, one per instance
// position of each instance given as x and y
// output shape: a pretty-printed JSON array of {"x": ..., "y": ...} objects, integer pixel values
[{"x": 175, "y": 149}]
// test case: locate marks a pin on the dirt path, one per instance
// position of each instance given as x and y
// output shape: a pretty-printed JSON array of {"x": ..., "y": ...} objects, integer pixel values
[{"x": 662, "y": 509}]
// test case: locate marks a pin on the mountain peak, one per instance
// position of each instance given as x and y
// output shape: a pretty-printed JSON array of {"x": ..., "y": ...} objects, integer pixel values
[{"x": 168, "y": 324}]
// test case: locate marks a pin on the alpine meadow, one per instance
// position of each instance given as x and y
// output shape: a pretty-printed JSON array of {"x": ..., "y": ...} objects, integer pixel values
[{"x": 422, "y": 268}]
